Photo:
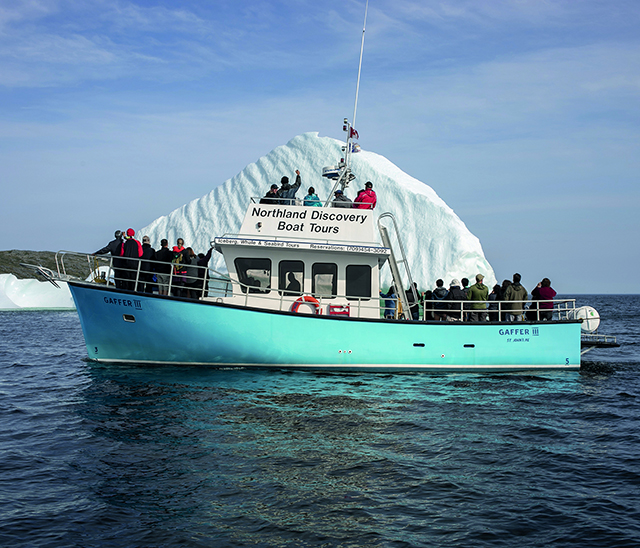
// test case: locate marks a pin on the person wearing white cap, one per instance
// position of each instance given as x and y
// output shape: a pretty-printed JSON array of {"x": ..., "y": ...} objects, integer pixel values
[{"x": 455, "y": 294}]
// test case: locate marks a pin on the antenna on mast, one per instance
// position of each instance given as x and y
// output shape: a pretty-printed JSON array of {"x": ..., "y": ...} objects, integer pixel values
[
  {"x": 364, "y": 26},
  {"x": 341, "y": 173}
]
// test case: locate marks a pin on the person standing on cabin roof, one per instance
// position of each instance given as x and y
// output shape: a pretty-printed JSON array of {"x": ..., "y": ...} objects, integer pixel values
[
  {"x": 312, "y": 199},
  {"x": 366, "y": 198},
  {"x": 287, "y": 192},
  {"x": 271, "y": 197},
  {"x": 340, "y": 200},
  {"x": 515, "y": 292},
  {"x": 131, "y": 248}
]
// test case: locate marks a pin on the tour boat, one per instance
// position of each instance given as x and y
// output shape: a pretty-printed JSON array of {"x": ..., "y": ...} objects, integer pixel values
[{"x": 303, "y": 291}]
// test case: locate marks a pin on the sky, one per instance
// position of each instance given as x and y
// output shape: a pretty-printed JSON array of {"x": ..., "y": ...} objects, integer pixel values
[{"x": 523, "y": 115}]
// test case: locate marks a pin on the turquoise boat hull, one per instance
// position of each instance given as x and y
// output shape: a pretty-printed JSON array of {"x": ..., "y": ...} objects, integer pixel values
[{"x": 128, "y": 327}]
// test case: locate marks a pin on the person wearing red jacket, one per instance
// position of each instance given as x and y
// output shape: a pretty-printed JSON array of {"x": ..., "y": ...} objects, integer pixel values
[{"x": 366, "y": 198}]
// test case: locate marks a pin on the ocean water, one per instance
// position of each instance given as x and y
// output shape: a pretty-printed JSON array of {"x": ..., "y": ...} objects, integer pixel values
[{"x": 118, "y": 456}]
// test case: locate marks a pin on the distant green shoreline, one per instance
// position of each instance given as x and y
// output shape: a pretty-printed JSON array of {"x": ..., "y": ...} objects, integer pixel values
[{"x": 10, "y": 263}]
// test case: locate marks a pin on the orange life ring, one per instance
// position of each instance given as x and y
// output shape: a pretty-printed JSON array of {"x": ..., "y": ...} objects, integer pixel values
[{"x": 306, "y": 299}]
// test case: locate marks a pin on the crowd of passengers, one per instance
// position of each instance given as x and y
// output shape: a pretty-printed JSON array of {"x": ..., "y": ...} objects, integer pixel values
[
  {"x": 440, "y": 304},
  {"x": 286, "y": 195},
  {"x": 178, "y": 268},
  {"x": 506, "y": 302}
]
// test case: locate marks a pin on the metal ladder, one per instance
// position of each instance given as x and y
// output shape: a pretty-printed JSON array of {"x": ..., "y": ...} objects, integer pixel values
[{"x": 393, "y": 264}]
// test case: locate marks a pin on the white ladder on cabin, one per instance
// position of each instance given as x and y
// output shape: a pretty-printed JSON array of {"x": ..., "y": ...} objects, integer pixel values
[{"x": 393, "y": 264}]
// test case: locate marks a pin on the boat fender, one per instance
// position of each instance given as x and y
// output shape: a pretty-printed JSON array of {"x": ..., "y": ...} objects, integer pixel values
[
  {"x": 589, "y": 316},
  {"x": 306, "y": 299}
]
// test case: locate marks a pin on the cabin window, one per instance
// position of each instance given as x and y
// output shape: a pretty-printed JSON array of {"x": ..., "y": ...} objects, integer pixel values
[
  {"x": 324, "y": 280},
  {"x": 291, "y": 277},
  {"x": 358, "y": 281},
  {"x": 254, "y": 273}
]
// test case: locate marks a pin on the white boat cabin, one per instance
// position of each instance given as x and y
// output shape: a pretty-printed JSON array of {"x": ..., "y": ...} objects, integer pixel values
[{"x": 305, "y": 259}]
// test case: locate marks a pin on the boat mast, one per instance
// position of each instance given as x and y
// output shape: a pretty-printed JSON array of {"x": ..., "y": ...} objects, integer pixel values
[
  {"x": 344, "y": 176},
  {"x": 355, "y": 104},
  {"x": 364, "y": 26}
]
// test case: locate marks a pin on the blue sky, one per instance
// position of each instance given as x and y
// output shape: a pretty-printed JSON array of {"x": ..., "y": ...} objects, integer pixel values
[{"x": 524, "y": 116}]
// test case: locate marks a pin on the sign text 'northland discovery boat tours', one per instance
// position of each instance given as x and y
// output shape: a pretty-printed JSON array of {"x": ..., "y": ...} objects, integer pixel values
[{"x": 314, "y": 222}]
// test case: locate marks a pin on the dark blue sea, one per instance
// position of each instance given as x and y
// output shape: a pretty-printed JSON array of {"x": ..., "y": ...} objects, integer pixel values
[{"x": 119, "y": 456}]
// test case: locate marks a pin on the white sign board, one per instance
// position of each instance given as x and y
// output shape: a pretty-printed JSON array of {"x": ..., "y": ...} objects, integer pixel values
[{"x": 315, "y": 223}]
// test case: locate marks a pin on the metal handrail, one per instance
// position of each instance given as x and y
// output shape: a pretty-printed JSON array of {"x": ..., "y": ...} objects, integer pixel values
[
  {"x": 122, "y": 272},
  {"x": 393, "y": 262},
  {"x": 561, "y": 307},
  {"x": 216, "y": 285}
]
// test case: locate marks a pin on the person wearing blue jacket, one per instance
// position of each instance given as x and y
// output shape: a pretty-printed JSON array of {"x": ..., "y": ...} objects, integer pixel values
[
  {"x": 312, "y": 199},
  {"x": 390, "y": 303}
]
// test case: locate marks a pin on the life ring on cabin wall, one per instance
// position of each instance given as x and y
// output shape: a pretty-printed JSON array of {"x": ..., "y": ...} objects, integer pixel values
[{"x": 306, "y": 299}]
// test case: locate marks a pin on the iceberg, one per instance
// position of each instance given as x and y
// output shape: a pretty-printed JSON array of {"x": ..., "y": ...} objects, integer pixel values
[
  {"x": 33, "y": 294},
  {"x": 437, "y": 243}
]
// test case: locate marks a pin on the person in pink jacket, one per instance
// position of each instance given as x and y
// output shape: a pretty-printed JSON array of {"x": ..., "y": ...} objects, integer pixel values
[{"x": 366, "y": 198}]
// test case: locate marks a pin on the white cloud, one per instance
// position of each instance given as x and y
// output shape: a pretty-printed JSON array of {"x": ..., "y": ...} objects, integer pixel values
[
  {"x": 18, "y": 11},
  {"x": 128, "y": 15},
  {"x": 479, "y": 11},
  {"x": 560, "y": 89}
]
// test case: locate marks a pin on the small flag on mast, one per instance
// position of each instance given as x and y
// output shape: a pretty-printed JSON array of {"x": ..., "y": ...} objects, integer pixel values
[{"x": 354, "y": 133}]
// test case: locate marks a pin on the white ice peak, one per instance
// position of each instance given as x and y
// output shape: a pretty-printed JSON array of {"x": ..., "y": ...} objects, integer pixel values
[{"x": 437, "y": 242}]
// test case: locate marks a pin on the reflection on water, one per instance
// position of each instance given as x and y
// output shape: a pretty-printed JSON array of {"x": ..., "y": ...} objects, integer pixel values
[{"x": 96, "y": 455}]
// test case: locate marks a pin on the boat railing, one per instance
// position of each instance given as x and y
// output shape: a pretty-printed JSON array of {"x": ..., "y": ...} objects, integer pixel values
[
  {"x": 459, "y": 310},
  {"x": 145, "y": 275},
  {"x": 497, "y": 310},
  {"x": 200, "y": 282},
  {"x": 276, "y": 201}
]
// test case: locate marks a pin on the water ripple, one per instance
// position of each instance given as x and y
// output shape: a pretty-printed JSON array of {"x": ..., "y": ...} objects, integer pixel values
[{"x": 95, "y": 455}]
